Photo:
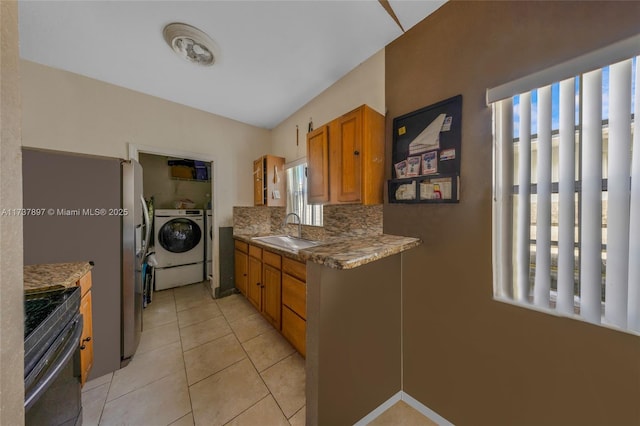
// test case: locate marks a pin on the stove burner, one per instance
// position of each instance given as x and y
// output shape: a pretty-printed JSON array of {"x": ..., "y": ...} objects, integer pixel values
[{"x": 36, "y": 310}]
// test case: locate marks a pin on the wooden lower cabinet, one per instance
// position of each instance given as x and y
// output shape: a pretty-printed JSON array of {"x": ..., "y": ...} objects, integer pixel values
[
  {"x": 271, "y": 302},
  {"x": 86, "y": 340},
  {"x": 254, "y": 287},
  {"x": 264, "y": 283},
  {"x": 294, "y": 303},
  {"x": 241, "y": 259},
  {"x": 294, "y": 294},
  {"x": 276, "y": 286},
  {"x": 294, "y": 329}
]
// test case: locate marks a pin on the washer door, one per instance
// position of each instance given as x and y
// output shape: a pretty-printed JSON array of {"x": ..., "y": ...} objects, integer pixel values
[{"x": 179, "y": 235}]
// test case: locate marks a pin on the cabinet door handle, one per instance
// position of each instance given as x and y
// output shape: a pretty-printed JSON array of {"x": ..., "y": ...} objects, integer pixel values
[
  {"x": 244, "y": 275},
  {"x": 83, "y": 346},
  {"x": 257, "y": 283},
  {"x": 356, "y": 152}
]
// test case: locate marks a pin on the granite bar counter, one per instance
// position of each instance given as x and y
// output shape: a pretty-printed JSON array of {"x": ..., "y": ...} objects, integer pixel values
[
  {"x": 52, "y": 276},
  {"x": 344, "y": 253}
]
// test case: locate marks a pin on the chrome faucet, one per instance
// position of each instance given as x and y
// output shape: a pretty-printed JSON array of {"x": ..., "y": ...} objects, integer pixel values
[{"x": 286, "y": 218}]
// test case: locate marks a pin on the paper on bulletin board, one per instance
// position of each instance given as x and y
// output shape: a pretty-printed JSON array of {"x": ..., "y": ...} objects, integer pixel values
[
  {"x": 406, "y": 191},
  {"x": 413, "y": 166},
  {"x": 401, "y": 169},
  {"x": 430, "y": 163},
  {"x": 429, "y": 138},
  {"x": 436, "y": 189}
]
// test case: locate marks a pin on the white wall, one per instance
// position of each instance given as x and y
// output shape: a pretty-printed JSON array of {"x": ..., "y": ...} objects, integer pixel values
[
  {"x": 67, "y": 112},
  {"x": 363, "y": 85}
]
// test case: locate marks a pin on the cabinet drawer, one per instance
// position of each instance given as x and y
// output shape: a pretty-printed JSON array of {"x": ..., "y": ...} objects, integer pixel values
[
  {"x": 255, "y": 252},
  {"x": 294, "y": 329},
  {"x": 271, "y": 259},
  {"x": 243, "y": 247},
  {"x": 295, "y": 268},
  {"x": 294, "y": 295}
]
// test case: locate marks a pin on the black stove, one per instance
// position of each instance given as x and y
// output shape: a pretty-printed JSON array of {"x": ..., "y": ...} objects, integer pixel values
[
  {"x": 52, "y": 330},
  {"x": 45, "y": 316}
]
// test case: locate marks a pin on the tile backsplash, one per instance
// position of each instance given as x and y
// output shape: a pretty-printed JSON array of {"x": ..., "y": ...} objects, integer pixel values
[
  {"x": 339, "y": 221},
  {"x": 352, "y": 220},
  {"x": 252, "y": 220}
]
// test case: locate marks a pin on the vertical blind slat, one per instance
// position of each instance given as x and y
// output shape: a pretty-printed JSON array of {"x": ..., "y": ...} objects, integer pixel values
[
  {"x": 633, "y": 304},
  {"x": 618, "y": 194},
  {"x": 524, "y": 198},
  {"x": 504, "y": 196},
  {"x": 566, "y": 197},
  {"x": 542, "y": 283},
  {"x": 591, "y": 205}
]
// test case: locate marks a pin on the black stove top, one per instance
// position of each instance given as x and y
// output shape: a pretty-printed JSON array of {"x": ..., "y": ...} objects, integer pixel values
[{"x": 45, "y": 316}]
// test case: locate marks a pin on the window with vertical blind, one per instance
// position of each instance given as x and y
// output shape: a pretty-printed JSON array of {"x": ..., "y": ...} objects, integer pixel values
[
  {"x": 297, "y": 194},
  {"x": 567, "y": 188}
]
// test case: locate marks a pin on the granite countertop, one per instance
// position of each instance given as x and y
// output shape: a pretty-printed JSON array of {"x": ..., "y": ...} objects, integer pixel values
[
  {"x": 345, "y": 253},
  {"x": 52, "y": 276}
]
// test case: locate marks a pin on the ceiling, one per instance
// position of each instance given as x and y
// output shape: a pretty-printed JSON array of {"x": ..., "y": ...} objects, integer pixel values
[{"x": 273, "y": 56}]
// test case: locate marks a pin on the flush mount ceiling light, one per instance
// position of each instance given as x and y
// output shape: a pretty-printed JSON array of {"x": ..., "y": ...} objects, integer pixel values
[{"x": 190, "y": 43}]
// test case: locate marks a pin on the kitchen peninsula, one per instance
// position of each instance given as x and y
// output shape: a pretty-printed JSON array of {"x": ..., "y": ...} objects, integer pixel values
[{"x": 352, "y": 295}]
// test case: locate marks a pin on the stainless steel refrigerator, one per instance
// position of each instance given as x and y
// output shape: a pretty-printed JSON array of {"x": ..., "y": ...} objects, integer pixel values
[
  {"x": 136, "y": 231},
  {"x": 113, "y": 241}
]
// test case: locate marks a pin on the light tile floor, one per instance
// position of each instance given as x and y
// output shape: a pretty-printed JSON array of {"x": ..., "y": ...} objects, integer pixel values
[
  {"x": 205, "y": 362},
  {"x": 209, "y": 362},
  {"x": 402, "y": 414}
]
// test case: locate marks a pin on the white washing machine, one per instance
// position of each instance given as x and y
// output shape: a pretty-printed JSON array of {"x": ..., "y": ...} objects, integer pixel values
[{"x": 179, "y": 246}]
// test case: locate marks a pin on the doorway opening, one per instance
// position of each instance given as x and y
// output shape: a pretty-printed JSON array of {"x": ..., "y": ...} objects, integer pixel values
[{"x": 175, "y": 179}]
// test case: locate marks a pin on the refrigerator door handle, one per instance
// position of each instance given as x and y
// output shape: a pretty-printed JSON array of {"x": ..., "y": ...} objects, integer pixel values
[{"x": 147, "y": 226}]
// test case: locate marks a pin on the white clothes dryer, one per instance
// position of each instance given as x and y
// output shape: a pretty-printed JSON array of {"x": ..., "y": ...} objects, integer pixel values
[{"x": 179, "y": 245}]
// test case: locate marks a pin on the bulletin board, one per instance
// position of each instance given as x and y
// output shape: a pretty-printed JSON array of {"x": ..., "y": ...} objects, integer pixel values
[{"x": 426, "y": 154}]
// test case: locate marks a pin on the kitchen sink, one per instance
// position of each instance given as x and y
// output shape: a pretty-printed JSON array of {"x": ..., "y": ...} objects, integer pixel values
[{"x": 288, "y": 243}]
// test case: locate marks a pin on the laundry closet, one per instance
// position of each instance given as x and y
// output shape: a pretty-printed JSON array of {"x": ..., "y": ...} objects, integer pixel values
[{"x": 178, "y": 192}]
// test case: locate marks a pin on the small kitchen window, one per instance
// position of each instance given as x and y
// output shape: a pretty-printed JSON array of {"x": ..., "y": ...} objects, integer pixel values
[{"x": 297, "y": 194}]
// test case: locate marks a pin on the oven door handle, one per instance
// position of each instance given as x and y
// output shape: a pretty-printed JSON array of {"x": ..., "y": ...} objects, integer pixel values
[{"x": 68, "y": 350}]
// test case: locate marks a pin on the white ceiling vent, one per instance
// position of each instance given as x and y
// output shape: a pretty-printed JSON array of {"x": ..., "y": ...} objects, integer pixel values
[{"x": 190, "y": 43}]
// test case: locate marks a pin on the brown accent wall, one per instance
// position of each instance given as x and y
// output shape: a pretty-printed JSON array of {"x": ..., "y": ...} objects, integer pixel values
[
  {"x": 471, "y": 359},
  {"x": 353, "y": 340}
]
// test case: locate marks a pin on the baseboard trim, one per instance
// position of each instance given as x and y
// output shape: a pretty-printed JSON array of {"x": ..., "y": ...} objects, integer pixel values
[{"x": 412, "y": 402}]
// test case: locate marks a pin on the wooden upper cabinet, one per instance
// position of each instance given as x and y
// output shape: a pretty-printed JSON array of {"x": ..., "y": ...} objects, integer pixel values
[
  {"x": 258, "y": 182},
  {"x": 269, "y": 181},
  {"x": 318, "y": 166},
  {"x": 356, "y": 159},
  {"x": 346, "y": 158}
]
